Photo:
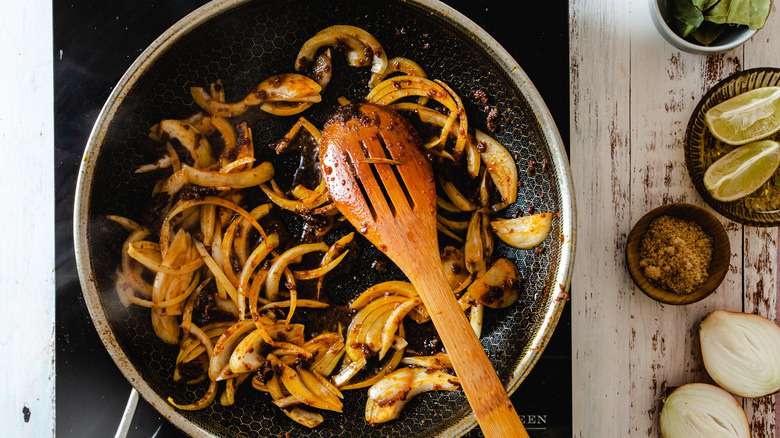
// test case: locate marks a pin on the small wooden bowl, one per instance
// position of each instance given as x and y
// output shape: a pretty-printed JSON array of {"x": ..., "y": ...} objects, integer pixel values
[{"x": 721, "y": 252}]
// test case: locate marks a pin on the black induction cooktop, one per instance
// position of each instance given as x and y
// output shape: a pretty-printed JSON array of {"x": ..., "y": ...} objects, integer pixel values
[{"x": 94, "y": 43}]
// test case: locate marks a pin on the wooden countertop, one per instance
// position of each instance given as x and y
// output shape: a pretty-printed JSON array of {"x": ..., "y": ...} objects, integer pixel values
[{"x": 632, "y": 94}]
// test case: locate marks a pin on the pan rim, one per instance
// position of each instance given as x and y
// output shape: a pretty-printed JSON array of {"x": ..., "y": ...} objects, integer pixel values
[{"x": 200, "y": 16}]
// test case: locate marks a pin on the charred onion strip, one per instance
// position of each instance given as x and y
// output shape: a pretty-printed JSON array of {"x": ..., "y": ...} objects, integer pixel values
[
  {"x": 402, "y": 288},
  {"x": 388, "y": 368},
  {"x": 129, "y": 296},
  {"x": 379, "y": 57},
  {"x": 242, "y": 231},
  {"x": 129, "y": 276},
  {"x": 312, "y": 304},
  {"x": 500, "y": 165},
  {"x": 353, "y": 48},
  {"x": 309, "y": 389},
  {"x": 388, "y": 396},
  {"x": 228, "y": 133},
  {"x": 211, "y": 393},
  {"x": 399, "y": 87},
  {"x": 402, "y": 65},
  {"x": 461, "y": 202},
  {"x": 302, "y": 122},
  {"x": 288, "y": 87},
  {"x": 432, "y": 117},
  {"x": 437, "y": 362},
  {"x": 327, "y": 350}
]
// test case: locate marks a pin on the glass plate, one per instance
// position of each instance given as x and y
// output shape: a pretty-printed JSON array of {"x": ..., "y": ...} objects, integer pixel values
[{"x": 762, "y": 207}]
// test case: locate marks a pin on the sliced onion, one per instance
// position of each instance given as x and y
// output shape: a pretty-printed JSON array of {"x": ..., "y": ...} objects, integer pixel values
[
  {"x": 288, "y": 87},
  {"x": 524, "y": 232},
  {"x": 356, "y": 53},
  {"x": 500, "y": 165},
  {"x": 237, "y": 180},
  {"x": 700, "y": 410},
  {"x": 498, "y": 287},
  {"x": 379, "y": 58},
  {"x": 741, "y": 352},
  {"x": 399, "y": 64},
  {"x": 389, "y": 395},
  {"x": 189, "y": 137}
]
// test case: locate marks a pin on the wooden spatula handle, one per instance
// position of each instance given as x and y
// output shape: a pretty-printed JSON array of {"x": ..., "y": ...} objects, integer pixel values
[{"x": 487, "y": 396}]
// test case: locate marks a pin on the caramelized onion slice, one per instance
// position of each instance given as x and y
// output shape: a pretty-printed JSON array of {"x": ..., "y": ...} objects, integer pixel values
[
  {"x": 223, "y": 349},
  {"x": 437, "y": 362},
  {"x": 327, "y": 349},
  {"x": 399, "y": 64},
  {"x": 500, "y": 165},
  {"x": 402, "y": 288},
  {"x": 498, "y": 287},
  {"x": 524, "y": 232},
  {"x": 287, "y": 87},
  {"x": 355, "y": 50},
  {"x": 387, "y": 397},
  {"x": 238, "y": 180},
  {"x": 378, "y": 56},
  {"x": 189, "y": 137},
  {"x": 475, "y": 249},
  {"x": 292, "y": 255},
  {"x": 311, "y": 391}
]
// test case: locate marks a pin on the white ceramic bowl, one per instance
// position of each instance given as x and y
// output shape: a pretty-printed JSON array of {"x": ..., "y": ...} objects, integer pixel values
[{"x": 730, "y": 38}]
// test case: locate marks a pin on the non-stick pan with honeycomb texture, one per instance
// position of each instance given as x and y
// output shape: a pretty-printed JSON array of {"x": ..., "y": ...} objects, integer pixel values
[{"x": 243, "y": 42}]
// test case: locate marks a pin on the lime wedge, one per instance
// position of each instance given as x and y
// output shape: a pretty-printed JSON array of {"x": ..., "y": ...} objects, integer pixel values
[
  {"x": 746, "y": 117},
  {"x": 743, "y": 170}
]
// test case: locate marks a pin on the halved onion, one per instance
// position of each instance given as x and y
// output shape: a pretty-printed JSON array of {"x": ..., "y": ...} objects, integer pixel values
[
  {"x": 700, "y": 410},
  {"x": 741, "y": 352}
]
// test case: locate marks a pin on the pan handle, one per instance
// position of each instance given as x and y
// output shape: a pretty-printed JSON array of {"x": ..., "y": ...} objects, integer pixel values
[{"x": 127, "y": 416}]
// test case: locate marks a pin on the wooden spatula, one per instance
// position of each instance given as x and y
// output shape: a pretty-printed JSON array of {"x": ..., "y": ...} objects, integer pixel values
[{"x": 382, "y": 183}]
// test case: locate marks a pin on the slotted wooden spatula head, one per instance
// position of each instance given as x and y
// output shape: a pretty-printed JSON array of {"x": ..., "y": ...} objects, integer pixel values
[
  {"x": 381, "y": 181},
  {"x": 378, "y": 177}
]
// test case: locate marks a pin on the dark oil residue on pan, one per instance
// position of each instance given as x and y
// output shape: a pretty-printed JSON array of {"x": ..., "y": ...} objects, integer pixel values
[{"x": 244, "y": 42}]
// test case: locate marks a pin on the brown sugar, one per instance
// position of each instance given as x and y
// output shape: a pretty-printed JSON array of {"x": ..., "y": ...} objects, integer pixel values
[{"x": 675, "y": 254}]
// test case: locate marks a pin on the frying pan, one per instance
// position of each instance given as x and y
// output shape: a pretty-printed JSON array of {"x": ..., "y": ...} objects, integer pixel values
[{"x": 243, "y": 42}]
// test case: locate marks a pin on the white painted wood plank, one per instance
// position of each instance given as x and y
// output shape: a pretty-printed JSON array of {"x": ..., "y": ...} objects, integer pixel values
[
  {"x": 666, "y": 85},
  {"x": 761, "y": 244},
  {"x": 599, "y": 35},
  {"x": 27, "y": 223},
  {"x": 643, "y": 168}
]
